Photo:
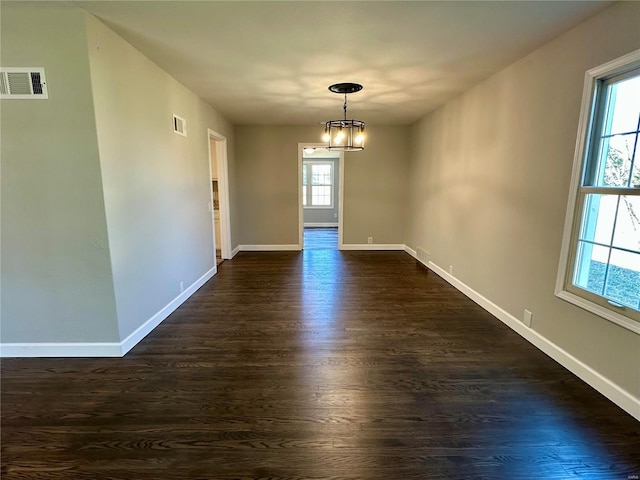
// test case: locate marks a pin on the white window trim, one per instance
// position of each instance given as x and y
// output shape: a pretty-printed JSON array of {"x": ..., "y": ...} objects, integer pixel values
[
  {"x": 319, "y": 161},
  {"x": 617, "y": 66}
]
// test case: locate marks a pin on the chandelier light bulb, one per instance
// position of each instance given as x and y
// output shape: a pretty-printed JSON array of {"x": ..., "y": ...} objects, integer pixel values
[{"x": 327, "y": 134}]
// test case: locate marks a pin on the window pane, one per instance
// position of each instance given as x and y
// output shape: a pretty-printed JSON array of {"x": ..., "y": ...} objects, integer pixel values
[
  {"x": 321, "y": 196},
  {"x": 591, "y": 267},
  {"x": 304, "y": 195},
  {"x": 598, "y": 218},
  {"x": 627, "y": 231},
  {"x": 615, "y": 160},
  {"x": 635, "y": 176},
  {"x": 624, "y": 101},
  {"x": 321, "y": 174},
  {"x": 304, "y": 174},
  {"x": 324, "y": 169},
  {"x": 613, "y": 165},
  {"x": 623, "y": 279}
]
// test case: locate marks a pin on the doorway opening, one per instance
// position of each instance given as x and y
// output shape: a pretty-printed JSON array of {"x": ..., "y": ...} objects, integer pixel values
[
  {"x": 219, "y": 206},
  {"x": 320, "y": 197}
]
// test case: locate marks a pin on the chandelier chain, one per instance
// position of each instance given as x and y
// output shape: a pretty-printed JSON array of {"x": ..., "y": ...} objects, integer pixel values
[{"x": 345, "y": 106}]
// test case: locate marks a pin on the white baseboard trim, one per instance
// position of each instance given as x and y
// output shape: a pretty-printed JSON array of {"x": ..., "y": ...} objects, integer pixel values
[
  {"x": 235, "y": 251},
  {"x": 411, "y": 252},
  {"x": 102, "y": 349},
  {"x": 69, "y": 349},
  {"x": 268, "y": 248},
  {"x": 143, "y": 330},
  {"x": 372, "y": 246},
  {"x": 321, "y": 225},
  {"x": 606, "y": 387}
]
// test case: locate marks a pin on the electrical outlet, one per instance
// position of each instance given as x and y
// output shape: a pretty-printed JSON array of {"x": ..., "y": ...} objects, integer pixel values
[
  {"x": 370, "y": 240},
  {"x": 181, "y": 287},
  {"x": 527, "y": 319}
]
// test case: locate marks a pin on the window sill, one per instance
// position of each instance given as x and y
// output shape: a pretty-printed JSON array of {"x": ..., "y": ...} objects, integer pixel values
[
  {"x": 306, "y": 207},
  {"x": 599, "y": 310}
]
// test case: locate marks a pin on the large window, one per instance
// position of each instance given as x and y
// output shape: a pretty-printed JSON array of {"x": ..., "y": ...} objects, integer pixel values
[
  {"x": 317, "y": 184},
  {"x": 601, "y": 270}
]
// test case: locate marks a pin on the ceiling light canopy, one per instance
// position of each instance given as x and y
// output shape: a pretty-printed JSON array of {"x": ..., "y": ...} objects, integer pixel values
[{"x": 346, "y": 135}]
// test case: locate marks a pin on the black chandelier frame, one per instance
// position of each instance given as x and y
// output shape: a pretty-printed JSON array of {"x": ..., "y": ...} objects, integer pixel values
[{"x": 346, "y": 135}]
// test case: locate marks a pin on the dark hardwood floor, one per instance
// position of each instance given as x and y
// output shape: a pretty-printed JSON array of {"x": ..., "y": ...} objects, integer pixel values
[
  {"x": 315, "y": 365},
  {"x": 320, "y": 238}
]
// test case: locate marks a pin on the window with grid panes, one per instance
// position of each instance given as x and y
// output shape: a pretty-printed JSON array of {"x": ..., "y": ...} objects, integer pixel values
[
  {"x": 603, "y": 261},
  {"x": 317, "y": 184}
]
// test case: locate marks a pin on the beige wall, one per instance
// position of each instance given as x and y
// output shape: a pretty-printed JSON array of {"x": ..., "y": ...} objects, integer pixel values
[
  {"x": 374, "y": 184},
  {"x": 56, "y": 273},
  {"x": 157, "y": 185},
  {"x": 104, "y": 208},
  {"x": 375, "y": 187},
  {"x": 490, "y": 181},
  {"x": 267, "y": 183}
]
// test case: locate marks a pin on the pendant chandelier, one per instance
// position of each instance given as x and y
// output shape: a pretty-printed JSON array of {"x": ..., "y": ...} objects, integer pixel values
[{"x": 346, "y": 135}]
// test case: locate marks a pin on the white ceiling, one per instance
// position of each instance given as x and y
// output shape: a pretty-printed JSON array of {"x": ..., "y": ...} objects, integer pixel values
[{"x": 270, "y": 62}]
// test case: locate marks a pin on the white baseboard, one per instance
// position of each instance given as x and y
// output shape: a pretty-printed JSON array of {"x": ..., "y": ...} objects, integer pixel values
[
  {"x": 321, "y": 225},
  {"x": 268, "y": 248},
  {"x": 102, "y": 349},
  {"x": 235, "y": 251},
  {"x": 411, "y": 252},
  {"x": 69, "y": 349},
  {"x": 606, "y": 387},
  {"x": 371, "y": 246},
  {"x": 143, "y": 330}
]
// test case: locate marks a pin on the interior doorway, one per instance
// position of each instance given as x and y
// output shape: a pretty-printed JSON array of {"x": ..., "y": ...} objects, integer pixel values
[
  {"x": 320, "y": 190},
  {"x": 219, "y": 206}
]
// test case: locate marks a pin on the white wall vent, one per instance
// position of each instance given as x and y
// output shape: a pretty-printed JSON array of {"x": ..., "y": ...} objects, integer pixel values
[
  {"x": 22, "y": 83},
  {"x": 180, "y": 125}
]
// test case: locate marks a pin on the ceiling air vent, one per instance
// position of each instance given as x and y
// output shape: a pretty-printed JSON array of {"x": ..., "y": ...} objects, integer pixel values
[
  {"x": 21, "y": 83},
  {"x": 180, "y": 125}
]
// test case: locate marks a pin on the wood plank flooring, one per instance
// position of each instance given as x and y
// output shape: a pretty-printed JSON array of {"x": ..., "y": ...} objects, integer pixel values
[
  {"x": 315, "y": 365},
  {"x": 320, "y": 238}
]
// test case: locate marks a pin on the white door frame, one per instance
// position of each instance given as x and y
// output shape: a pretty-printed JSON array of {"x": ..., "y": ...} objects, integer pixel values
[
  {"x": 340, "y": 194},
  {"x": 223, "y": 192}
]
